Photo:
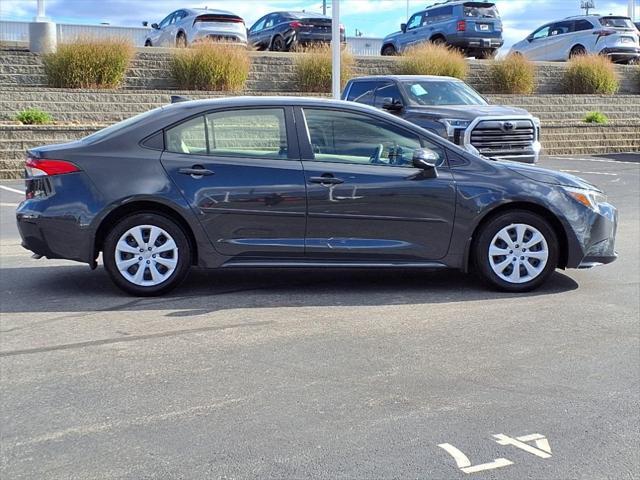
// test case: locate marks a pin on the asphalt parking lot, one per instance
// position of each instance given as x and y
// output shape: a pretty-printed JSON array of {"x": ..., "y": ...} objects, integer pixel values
[{"x": 342, "y": 374}]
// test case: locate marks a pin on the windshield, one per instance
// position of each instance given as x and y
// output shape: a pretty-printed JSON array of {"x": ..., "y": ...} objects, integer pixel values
[
  {"x": 616, "y": 22},
  {"x": 116, "y": 127},
  {"x": 442, "y": 92},
  {"x": 483, "y": 10}
]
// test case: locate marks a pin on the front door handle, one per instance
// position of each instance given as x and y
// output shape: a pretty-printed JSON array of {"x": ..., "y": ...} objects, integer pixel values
[
  {"x": 196, "y": 171},
  {"x": 326, "y": 179}
]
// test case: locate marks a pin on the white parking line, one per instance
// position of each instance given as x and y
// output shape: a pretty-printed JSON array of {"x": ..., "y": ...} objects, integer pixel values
[
  {"x": 14, "y": 190},
  {"x": 591, "y": 173},
  {"x": 14, "y": 205},
  {"x": 599, "y": 160}
]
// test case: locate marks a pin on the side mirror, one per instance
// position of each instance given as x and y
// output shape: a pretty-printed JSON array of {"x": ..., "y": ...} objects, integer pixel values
[
  {"x": 530, "y": 38},
  {"x": 145, "y": 24},
  {"x": 155, "y": 26},
  {"x": 403, "y": 27},
  {"x": 426, "y": 160},
  {"x": 391, "y": 104}
]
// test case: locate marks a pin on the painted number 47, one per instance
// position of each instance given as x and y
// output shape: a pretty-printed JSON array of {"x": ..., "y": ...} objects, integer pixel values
[{"x": 541, "y": 449}]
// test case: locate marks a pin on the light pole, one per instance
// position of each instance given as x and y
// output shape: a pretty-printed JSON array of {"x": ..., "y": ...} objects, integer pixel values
[
  {"x": 42, "y": 32},
  {"x": 324, "y": 7},
  {"x": 335, "y": 48}
]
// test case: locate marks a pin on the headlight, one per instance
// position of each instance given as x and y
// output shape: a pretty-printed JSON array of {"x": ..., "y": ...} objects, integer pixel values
[
  {"x": 453, "y": 123},
  {"x": 589, "y": 198}
]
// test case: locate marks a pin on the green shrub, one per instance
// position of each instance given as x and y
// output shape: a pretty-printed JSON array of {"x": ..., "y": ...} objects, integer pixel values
[
  {"x": 33, "y": 116},
  {"x": 89, "y": 63},
  {"x": 513, "y": 74},
  {"x": 313, "y": 69},
  {"x": 596, "y": 117},
  {"x": 591, "y": 74},
  {"x": 432, "y": 59},
  {"x": 211, "y": 66}
]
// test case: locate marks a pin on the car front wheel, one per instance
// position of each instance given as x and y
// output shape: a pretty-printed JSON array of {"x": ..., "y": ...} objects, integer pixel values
[
  {"x": 147, "y": 254},
  {"x": 516, "y": 251}
]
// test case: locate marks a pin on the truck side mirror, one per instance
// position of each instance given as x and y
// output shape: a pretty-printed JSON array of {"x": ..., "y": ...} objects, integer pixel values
[
  {"x": 403, "y": 27},
  {"x": 145, "y": 24},
  {"x": 155, "y": 26}
]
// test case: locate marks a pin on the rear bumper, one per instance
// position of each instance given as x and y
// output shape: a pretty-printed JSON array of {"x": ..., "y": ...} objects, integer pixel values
[
  {"x": 621, "y": 53},
  {"x": 219, "y": 36},
  {"x": 479, "y": 43}
]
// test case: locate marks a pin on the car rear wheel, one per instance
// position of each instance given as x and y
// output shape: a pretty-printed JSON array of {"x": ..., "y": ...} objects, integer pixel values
[
  {"x": 278, "y": 44},
  {"x": 516, "y": 251},
  {"x": 147, "y": 254},
  {"x": 577, "y": 50},
  {"x": 181, "y": 40}
]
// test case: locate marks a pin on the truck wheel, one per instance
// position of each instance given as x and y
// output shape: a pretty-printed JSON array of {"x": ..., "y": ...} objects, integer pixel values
[
  {"x": 389, "y": 50},
  {"x": 485, "y": 53}
]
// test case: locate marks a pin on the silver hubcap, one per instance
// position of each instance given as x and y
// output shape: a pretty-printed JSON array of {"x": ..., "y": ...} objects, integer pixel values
[
  {"x": 146, "y": 255},
  {"x": 518, "y": 253}
]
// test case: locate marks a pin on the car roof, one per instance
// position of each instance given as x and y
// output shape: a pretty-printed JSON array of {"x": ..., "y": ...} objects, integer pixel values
[
  {"x": 208, "y": 10},
  {"x": 255, "y": 101},
  {"x": 455, "y": 3},
  {"x": 402, "y": 78},
  {"x": 300, "y": 14}
]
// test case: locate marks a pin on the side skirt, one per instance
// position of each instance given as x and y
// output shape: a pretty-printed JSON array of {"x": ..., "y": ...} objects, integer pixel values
[{"x": 328, "y": 264}]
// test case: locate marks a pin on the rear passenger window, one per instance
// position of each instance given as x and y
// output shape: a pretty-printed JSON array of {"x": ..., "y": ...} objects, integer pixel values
[
  {"x": 255, "y": 133},
  {"x": 581, "y": 25},
  {"x": 362, "y": 92},
  {"x": 188, "y": 137}
]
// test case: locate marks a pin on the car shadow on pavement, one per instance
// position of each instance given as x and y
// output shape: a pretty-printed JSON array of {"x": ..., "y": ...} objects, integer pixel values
[{"x": 78, "y": 289}]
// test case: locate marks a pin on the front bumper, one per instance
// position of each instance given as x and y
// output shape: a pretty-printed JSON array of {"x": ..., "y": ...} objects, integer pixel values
[{"x": 595, "y": 235}]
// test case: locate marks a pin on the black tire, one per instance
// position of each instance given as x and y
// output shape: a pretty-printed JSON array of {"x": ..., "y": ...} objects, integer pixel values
[
  {"x": 484, "y": 240},
  {"x": 438, "y": 40},
  {"x": 153, "y": 219},
  {"x": 181, "y": 40},
  {"x": 389, "y": 50},
  {"x": 577, "y": 50},
  {"x": 278, "y": 44},
  {"x": 485, "y": 54},
  {"x": 148, "y": 43}
]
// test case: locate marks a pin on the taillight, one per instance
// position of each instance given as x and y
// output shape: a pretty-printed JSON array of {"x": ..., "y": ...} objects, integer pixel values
[
  {"x": 36, "y": 167},
  {"x": 462, "y": 26},
  {"x": 295, "y": 24},
  {"x": 604, "y": 33},
  {"x": 218, "y": 18}
]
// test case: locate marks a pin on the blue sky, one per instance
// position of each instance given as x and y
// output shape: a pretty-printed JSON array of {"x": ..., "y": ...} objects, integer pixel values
[{"x": 373, "y": 17}]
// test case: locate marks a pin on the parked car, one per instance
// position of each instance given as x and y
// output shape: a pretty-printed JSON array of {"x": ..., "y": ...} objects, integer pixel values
[
  {"x": 280, "y": 182},
  {"x": 473, "y": 27},
  {"x": 609, "y": 35},
  {"x": 286, "y": 31},
  {"x": 188, "y": 25},
  {"x": 453, "y": 110},
  {"x": 637, "y": 24}
]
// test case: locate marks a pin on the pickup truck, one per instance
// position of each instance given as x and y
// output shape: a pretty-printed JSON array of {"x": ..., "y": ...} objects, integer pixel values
[{"x": 452, "y": 109}]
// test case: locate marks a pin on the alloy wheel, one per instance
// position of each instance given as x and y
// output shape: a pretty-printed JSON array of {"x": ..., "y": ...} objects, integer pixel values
[
  {"x": 146, "y": 255},
  {"x": 518, "y": 253}
]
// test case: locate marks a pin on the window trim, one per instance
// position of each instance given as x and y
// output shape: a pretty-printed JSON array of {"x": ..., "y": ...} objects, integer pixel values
[
  {"x": 293, "y": 151},
  {"x": 306, "y": 152}
]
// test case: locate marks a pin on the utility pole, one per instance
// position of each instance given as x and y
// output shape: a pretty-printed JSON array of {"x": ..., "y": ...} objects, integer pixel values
[
  {"x": 335, "y": 49},
  {"x": 324, "y": 7}
]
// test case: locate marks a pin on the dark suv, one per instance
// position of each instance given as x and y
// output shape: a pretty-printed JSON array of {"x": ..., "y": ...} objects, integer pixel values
[
  {"x": 452, "y": 109},
  {"x": 473, "y": 27},
  {"x": 285, "y": 31}
]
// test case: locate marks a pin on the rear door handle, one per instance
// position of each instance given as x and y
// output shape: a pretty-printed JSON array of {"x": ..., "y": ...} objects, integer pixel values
[
  {"x": 196, "y": 171},
  {"x": 326, "y": 180}
]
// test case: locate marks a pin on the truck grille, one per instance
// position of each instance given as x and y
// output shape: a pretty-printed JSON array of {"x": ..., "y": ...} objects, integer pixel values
[{"x": 494, "y": 138}]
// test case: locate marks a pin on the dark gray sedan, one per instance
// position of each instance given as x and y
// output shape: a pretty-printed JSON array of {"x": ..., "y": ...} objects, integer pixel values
[{"x": 290, "y": 182}]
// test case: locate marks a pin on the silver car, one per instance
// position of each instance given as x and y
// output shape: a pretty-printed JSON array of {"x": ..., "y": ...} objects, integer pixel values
[
  {"x": 610, "y": 35},
  {"x": 188, "y": 25}
]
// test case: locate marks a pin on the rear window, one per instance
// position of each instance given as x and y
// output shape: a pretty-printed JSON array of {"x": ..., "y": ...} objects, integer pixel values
[
  {"x": 481, "y": 10},
  {"x": 118, "y": 127},
  {"x": 616, "y": 22}
]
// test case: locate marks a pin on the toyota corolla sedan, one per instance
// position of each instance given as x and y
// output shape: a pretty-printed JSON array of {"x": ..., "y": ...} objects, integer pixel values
[{"x": 288, "y": 182}]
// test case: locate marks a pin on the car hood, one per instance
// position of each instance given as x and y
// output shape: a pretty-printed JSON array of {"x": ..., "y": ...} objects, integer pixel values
[
  {"x": 465, "y": 112},
  {"x": 544, "y": 175},
  {"x": 391, "y": 36}
]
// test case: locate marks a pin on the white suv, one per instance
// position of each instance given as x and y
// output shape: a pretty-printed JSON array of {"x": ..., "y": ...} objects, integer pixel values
[
  {"x": 185, "y": 26},
  {"x": 609, "y": 35}
]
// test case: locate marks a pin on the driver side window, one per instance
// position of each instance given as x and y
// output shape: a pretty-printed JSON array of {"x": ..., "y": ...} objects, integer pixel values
[
  {"x": 415, "y": 21},
  {"x": 166, "y": 21},
  {"x": 345, "y": 137}
]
